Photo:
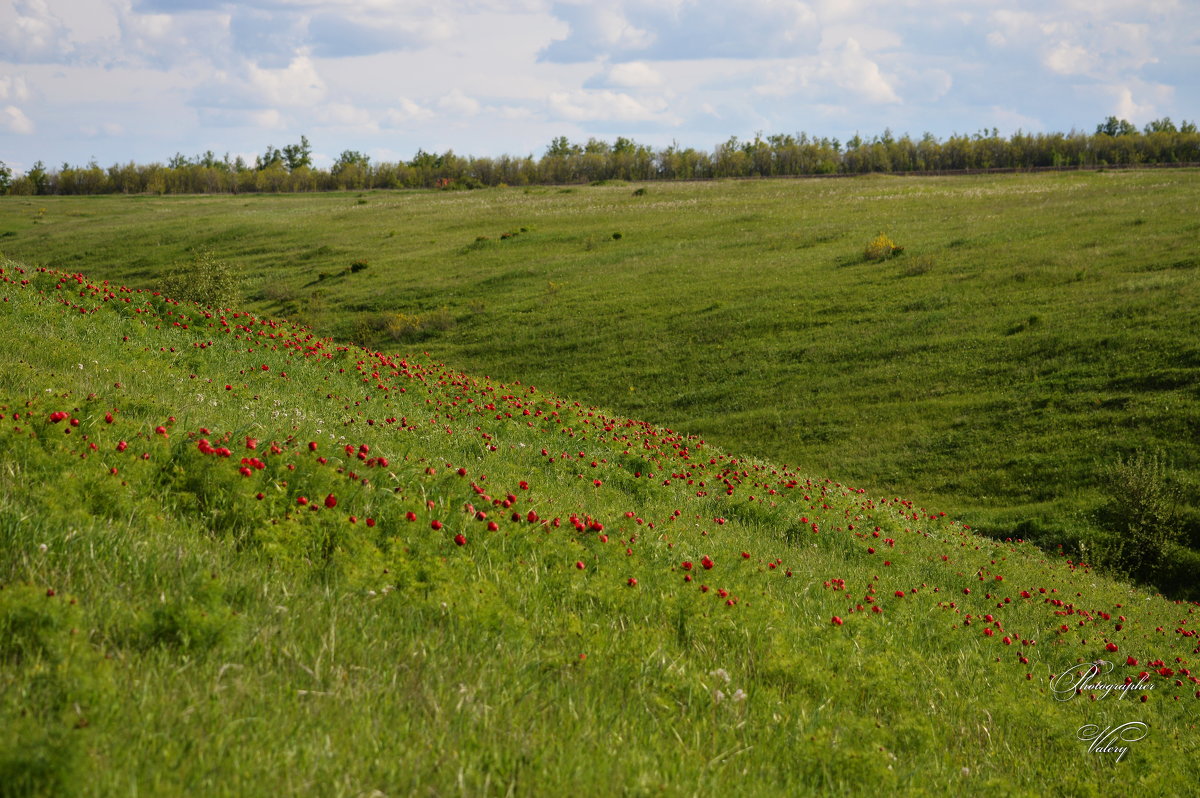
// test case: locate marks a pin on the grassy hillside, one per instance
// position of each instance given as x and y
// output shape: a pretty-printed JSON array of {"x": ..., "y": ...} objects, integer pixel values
[
  {"x": 1036, "y": 328},
  {"x": 238, "y": 559}
]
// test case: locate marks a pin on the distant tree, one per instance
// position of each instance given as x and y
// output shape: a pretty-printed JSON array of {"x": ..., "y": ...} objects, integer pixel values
[
  {"x": 299, "y": 155},
  {"x": 269, "y": 158},
  {"x": 561, "y": 147},
  {"x": 5, "y": 177},
  {"x": 351, "y": 170},
  {"x": 38, "y": 177},
  {"x": 425, "y": 160},
  {"x": 1187, "y": 127},
  {"x": 351, "y": 158},
  {"x": 1116, "y": 127},
  {"x": 209, "y": 160},
  {"x": 624, "y": 146},
  {"x": 178, "y": 161},
  {"x": 1164, "y": 125}
]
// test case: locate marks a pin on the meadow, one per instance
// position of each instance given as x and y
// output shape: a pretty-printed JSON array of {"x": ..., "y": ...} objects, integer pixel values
[
  {"x": 237, "y": 558},
  {"x": 1035, "y": 330}
]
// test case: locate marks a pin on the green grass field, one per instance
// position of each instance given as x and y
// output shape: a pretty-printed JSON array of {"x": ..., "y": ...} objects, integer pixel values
[
  {"x": 237, "y": 559},
  {"x": 1035, "y": 328}
]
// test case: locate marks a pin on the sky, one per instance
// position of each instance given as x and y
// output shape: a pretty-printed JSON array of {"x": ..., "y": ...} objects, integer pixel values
[{"x": 141, "y": 80}]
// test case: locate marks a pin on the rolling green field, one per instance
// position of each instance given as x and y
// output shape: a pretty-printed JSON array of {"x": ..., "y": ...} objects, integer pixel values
[
  {"x": 237, "y": 559},
  {"x": 1034, "y": 329}
]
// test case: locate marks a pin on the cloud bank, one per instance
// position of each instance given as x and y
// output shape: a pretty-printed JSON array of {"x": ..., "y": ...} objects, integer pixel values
[{"x": 141, "y": 80}]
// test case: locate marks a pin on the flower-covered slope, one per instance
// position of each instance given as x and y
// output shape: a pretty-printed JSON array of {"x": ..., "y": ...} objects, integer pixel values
[{"x": 537, "y": 516}]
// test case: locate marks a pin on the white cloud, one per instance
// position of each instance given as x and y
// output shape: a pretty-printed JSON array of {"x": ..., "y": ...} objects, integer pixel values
[
  {"x": 268, "y": 118},
  {"x": 486, "y": 76},
  {"x": 105, "y": 129},
  {"x": 854, "y": 71},
  {"x": 13, "y": 88},
  {"x": 13, "y": 120},
  {"x": 405, "y": 112},
  {"x": 346, "y": 115},
  {"x": 30, "y": 31},
  {"x": 843, "y": 67},
  {"x": 634, "y": 75},
  {"x": 1070, "y": 59},
  {"x": 298, "y": 84},
  {"x": 587, "y": 105},
  {"x": 1142, "y": 107},
  {"x": 457, "y": 104},
  {"x": 682, "y": 29}
]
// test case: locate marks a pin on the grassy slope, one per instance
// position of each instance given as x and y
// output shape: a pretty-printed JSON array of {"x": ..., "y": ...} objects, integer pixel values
[
  {"x": 164, "y": 631},
  {"x": 1037, "y": 326}
]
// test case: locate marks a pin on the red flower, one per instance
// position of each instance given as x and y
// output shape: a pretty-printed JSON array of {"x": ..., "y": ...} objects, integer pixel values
[
  {"x": 836, "y": 621},
  {"x": 1111, "y": 647},
  {"x": 460, "y": 539},
  {"x": 1130, "y": 661},
  {"x": 410, "y": 515},
  {"x": 435, "y": 524},
  {"x": 686, "y": 565},
  {"x": 302, "y": 500},
  {"x": 370, "y": 522},
  {"x": 707, "y": 562},
  {"x": 330, "y": 502},
  {"x": 579, "y": 564}
]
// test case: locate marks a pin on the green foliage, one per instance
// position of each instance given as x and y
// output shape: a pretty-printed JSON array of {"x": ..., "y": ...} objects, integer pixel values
[
  {"x": 1116, "y": 127},
  {"x": 1142, "y": 513},
  {"x": 599, "y": 163},
  {"x": 207, "y": 280}
]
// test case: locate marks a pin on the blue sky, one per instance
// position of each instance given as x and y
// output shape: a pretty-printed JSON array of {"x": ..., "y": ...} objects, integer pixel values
[{"x": 121, "y": 80}]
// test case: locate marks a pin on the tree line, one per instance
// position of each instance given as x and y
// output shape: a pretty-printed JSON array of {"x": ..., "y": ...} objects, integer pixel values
[{"x": 1115, "y": 142}]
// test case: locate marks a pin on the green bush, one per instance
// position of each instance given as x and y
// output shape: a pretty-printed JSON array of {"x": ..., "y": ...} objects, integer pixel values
[
  {"x": 205, "y": 280},
  {"x": 1140, "y": 513}
]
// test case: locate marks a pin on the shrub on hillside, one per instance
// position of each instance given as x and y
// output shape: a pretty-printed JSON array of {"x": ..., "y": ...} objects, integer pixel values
[
  {"x": 1140, "y": 513},
  {"x": 409, "y": 327},
  {"x": 881, "y": 248},
  {"x": 205, "y": 280}
]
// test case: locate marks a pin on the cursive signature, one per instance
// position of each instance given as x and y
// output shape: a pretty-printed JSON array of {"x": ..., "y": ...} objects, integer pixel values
[
  {"x": 1108, "y": 740},
  {"x": 1069, "y": 684}
]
